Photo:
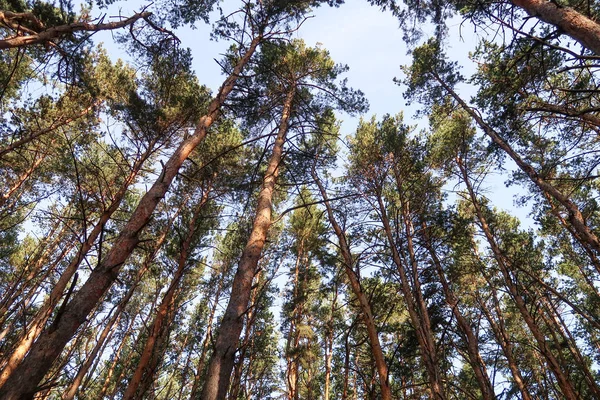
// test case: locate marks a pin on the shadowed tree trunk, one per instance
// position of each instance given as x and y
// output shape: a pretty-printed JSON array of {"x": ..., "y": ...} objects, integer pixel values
[
  {"x": 544, "y": 347},
  {"x": 205, "y": 343},
  {"x": 44, "y": 313},
  {"x": 74, "y": 386},
  {"x": 575, "y": 218},
  {"x": 464, "y": 326},
  {"x": 417, "y": 310}
]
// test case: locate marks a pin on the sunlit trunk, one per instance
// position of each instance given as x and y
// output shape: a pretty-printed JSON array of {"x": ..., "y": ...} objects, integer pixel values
[
  {"x": 45, "y": 312},
  {"x": 149, "y": 358},
  {"x": 223, "y": 356},
  {"x": 581, "y": 28}
]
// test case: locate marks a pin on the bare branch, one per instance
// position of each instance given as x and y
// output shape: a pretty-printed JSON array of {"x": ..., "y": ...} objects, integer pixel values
[{"x": 57, "y": 31}]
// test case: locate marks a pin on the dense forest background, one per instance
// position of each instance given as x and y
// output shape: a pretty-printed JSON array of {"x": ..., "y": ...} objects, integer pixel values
[{"x": 162, "y": 240}]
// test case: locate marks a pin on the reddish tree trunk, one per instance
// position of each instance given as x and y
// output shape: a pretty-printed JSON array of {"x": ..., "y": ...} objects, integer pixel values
[
  {"x": 147, "y": 364},
  {"x": 39, "y": 321},
  {"x": 503, "y": 340},
  {"x": 44, "y": 35},
  {"x": 470, "y": 338},
  {"x": 116, "y": 358},
  {"x": 71, "y": 391},
  {"x": 205, "y": 343},
  {"x": 365, "y": 306},
  {"x": 417, "y": 310},
  {"x": 578, "y": 26},
  {"x": 553, "y": 363},
  {"x": 575, "y": 217},
  {"x": 246, "y": 342},
  {"x": 329, "y": 346},
  {"x": 223, "y": 356}
]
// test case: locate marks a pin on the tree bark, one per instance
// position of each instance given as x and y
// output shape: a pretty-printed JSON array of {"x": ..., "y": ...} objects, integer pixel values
[
  {"x": 83, "y": 370},
  {"x": 329, "y": 345},
  {"x": 470, "y": 338},
  {"x": 554, "y": 319},
  {"x": 414, "y": 302},
  {"x": 575, "y": 218},
  {"x": 45, "y": 35},
  {"x": 72, "y": 389},
  {"x": 205, "y": 343},
  {"x": 503, "y": 340},
  {"x": 562, "y": 379},
  {"x": 223, "y": 356},
  {"x": 39, "y": 321},
  {"x": 32, "y": 276},
  {"x": 291, "y": 371},
  {"x": 246, "y": 342},
  {"x": 581, "y": 28},
  {"x": 16, "y": 184},
  {"x": 116, "y": 358}
]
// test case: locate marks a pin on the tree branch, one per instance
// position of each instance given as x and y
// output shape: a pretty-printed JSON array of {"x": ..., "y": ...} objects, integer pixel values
[{"x": 58, "y": 31}]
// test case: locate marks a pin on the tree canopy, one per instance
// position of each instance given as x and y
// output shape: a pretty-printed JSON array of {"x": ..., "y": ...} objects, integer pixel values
[{"x": 162, "y": 240}]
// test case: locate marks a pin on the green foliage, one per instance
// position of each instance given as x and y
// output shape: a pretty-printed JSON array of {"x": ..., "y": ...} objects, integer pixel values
[
  {"x": 429, "y": 63},
  {"x": 78, "y": 128}
]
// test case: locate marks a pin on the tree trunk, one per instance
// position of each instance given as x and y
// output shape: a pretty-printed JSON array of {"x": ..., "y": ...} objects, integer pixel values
[
  {"x": 52, "y": 127},
  {"x": 22, "y": 384},
  {"x": 505, "y": 344},
  {"x": 329, "y": 345},
  {"x": 563, "y": 381},
  {"x": 108, "y": 329},
  {"x": 581, "y": 28},
  {"x": 147, "y": 364},
  {"x": 347, "y": 362},
  {"x": 566, "y": 339},
  {"x": 291, "y": 370},
  {"x": 414, "y": 302},
  {"x": 246, "y": 342},
  {"x": 71, "y": 391},
  {"x": 28, "y": 298},
  {"x": 205, "y": 343},
  {"x": 593, "y": 258},
  {"x": 39, "y": 321},
  {"x": 223, "y": 356},
  {"x": 575, "y": 218},
  {"x": 116, "y": 358},
  {"x": 32, "y": 268},
  {"x": 470, "y": 338},
  {"x": 365, "y": 306},
  {"x": 19, "y": 181}
]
